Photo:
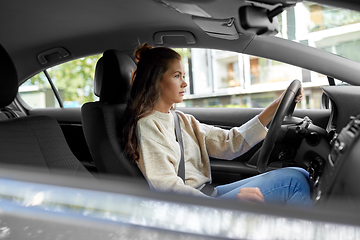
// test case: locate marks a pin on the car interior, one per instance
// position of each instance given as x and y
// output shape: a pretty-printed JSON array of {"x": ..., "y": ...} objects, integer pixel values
[{"x": 85, "y": 141}]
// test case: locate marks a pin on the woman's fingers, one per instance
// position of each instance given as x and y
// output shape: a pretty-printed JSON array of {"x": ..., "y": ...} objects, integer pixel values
[
  {"x": 298, "y": 98},
  {"x": 250, "y": 195}
]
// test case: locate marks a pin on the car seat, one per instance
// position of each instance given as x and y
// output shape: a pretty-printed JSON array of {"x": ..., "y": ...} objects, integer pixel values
[
  {"x": 10, "y": 111},
  {"x": 103, "y": 120},
  {"x": 32, "y": 141}
]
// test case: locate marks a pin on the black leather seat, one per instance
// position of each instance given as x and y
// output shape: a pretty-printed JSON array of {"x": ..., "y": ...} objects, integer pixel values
[
  {"x": 103, "y": 120},
  {"x": 32, "y": 141}
]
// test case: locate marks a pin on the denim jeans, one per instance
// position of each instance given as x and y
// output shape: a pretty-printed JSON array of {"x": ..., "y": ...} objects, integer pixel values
[{"x": 284, "y": 186}]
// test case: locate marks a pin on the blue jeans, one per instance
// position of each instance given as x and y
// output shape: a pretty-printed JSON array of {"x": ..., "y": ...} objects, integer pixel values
[{"x": 284, "y": 186}]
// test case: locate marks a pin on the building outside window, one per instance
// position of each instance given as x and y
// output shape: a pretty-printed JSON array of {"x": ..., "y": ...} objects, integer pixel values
[{"x": 228, "y": 79}]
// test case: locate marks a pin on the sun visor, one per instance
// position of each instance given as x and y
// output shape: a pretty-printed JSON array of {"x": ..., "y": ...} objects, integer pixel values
[
  {"x": 185, "y": 8},
  {"x": 219, "y": 28}
]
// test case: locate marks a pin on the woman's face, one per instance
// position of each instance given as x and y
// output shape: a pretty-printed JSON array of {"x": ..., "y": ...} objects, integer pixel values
[{"x": 172, "y": 84}]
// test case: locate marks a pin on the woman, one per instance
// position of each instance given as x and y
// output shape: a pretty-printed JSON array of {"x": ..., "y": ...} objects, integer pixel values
[{"x": 158, "y": 84}]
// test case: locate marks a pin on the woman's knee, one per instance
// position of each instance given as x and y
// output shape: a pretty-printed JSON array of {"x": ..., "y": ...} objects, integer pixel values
[
  {"x": 297, "y": 180},
  {"x": 291, "y": 185},
  {"x": 292, "y": 178},
  {"x": 295, "y": 175}
]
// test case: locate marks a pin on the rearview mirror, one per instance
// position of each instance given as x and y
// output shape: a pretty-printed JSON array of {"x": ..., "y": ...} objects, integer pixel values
[{"x": 259, "y": 21}]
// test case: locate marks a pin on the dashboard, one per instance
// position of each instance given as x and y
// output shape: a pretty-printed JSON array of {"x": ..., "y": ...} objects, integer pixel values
[
  {"x": 344, "y": 102},
  {"x": 339, "y": 179}
]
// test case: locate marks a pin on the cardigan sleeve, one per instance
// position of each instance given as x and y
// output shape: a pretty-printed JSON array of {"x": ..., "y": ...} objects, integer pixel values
[
  {"x": 159, "y": 161},
  {"x": 229, "y": 144}
]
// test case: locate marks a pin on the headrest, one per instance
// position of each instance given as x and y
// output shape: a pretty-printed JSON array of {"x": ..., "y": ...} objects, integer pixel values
[
  {"x": 8, "y": 79},
  {"x": 112, "y": 77}
]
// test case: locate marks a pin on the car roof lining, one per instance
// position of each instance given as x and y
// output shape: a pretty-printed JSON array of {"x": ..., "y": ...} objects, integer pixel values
[{"x": 87, "y": 32}]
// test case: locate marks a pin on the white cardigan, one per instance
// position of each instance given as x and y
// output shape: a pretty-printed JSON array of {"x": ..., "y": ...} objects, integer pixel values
[{"x": 160, "y": 152}]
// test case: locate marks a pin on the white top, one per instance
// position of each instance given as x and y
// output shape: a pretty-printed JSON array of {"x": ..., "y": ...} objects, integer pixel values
[{"x": 160, "y": 152}]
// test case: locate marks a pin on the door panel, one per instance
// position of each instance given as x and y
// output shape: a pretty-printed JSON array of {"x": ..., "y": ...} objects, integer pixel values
[{"x": 63, "y": 115}]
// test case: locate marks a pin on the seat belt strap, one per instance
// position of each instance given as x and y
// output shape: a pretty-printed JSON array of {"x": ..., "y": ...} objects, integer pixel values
[
  {"x": 207, "y": 188},
  {"x": 181, "y": 170}
]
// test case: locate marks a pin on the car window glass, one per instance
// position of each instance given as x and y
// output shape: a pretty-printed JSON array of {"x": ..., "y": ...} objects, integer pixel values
[
  {"x": 325, "y": 27},
  {"x": 229, "y": 79},
  {"x": 73, "y": 80},
  {"x": 215, "y": 79},
  {"x": 37, "y": 92}
]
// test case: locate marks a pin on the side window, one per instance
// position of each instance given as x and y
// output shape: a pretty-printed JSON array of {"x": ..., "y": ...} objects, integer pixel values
[
  {"x": 229, "y": 79},
  {"x": 67, "y": 85}
]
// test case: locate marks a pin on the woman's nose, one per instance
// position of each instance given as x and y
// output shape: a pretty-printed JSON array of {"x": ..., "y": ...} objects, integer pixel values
[{"x": 184, "y": 84}]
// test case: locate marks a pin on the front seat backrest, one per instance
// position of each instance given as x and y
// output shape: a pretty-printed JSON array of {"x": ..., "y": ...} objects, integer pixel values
[{"x": 102, "y": 120}]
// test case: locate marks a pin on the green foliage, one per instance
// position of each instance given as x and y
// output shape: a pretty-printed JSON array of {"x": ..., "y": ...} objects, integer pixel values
[
  {"x": 334, "y": 17},
  {"x": 75, "y": 78},
  {"x": 38, "y": 80},
  {"x": 338, "y": 17},
  {"x": 184, "y": 52}
]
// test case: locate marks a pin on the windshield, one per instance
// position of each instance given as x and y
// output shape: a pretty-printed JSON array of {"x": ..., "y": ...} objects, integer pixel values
[{"x": 325, "y": 27}]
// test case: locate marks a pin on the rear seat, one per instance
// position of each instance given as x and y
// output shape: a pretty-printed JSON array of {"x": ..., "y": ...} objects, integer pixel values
[{"x": 31, "y": 141}]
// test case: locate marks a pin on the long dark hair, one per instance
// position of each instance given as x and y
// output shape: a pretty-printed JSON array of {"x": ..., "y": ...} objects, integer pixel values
[{"x": 145, "y": 92}]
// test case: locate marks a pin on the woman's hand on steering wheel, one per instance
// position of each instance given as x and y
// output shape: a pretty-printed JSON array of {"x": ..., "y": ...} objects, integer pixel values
[
  {"x": 267, "y": 115},
  {"x": 281, "y": 107}
]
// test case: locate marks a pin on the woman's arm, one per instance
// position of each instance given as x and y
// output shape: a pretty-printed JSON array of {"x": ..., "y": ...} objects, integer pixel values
[
  {"x": 268, "y": 113},
  {"x": 226, "y": 144}
]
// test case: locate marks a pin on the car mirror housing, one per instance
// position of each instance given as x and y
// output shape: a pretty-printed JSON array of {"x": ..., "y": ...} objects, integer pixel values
[{"x": 259, "y": 20}]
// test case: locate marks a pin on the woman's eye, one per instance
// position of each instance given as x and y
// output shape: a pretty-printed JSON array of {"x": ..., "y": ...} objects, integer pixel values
[{"x": 178, "y": 76}]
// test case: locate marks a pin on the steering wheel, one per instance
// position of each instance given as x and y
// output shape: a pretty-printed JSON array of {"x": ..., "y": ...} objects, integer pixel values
[{"x": 285, "y": 108}]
